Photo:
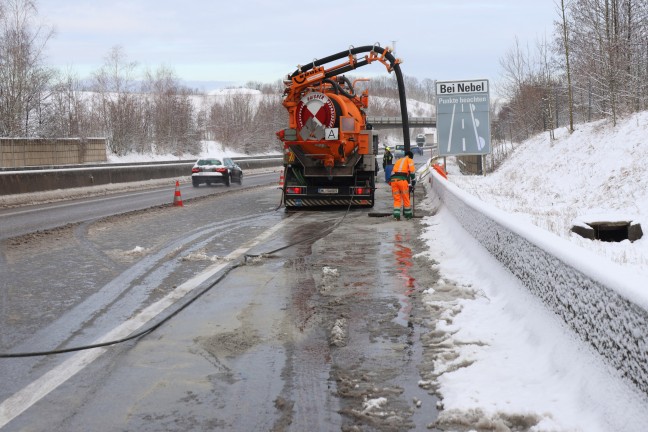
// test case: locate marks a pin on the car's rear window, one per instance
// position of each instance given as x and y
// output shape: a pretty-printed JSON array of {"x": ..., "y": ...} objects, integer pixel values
[{"x": 209, "y": 162}]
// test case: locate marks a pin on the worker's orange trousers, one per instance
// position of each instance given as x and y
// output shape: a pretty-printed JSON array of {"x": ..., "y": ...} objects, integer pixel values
[{"x": 400, "y": 192}]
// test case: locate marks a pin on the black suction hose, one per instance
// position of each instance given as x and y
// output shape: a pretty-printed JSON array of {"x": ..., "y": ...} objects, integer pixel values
[
  {"x": 346, "y": 80},
  {"x": 403, "y": 107},
  {"x": 338, "y": 88},
  {"x": 335, "y": 85}
]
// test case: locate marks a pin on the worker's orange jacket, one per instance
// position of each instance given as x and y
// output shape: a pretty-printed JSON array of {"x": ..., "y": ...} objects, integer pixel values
[{"x": 404, "y": 169}]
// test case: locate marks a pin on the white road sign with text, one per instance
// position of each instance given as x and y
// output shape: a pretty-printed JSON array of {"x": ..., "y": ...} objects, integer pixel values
[{"x": 463, "y": 117}]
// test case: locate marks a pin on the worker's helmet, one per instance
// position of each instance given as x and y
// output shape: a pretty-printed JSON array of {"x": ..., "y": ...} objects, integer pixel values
[{"x": 387, "y": 148}]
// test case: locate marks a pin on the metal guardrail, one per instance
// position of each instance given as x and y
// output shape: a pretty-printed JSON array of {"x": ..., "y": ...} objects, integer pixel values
[
  {"x": 122, "y": 164},
  {"x": 393, "y": 122}
]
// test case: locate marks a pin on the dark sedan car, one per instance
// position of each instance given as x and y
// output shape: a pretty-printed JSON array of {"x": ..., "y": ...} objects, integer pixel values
[{"x": 212, "y": 170}]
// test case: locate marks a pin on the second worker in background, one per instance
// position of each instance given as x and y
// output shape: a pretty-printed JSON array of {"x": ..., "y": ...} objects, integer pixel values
[{"x": 388, "y": 160}]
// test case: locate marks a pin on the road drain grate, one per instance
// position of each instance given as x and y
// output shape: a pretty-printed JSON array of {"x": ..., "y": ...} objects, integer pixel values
[{"x": 609, "y": 231}]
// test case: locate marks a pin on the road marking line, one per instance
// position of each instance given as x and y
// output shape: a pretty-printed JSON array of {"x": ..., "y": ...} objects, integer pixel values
[
  {"x": 90, "y": 199},
  {"x": 15, "y": 405},
  {"x": 451, "y": 126},
  {"x": 472, "y": 115}
]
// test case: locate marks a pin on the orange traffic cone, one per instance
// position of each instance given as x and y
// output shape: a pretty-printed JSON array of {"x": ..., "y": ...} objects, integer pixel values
[
  {"x": 281, "y": 180},
  {"x": 177, "y": 199}
]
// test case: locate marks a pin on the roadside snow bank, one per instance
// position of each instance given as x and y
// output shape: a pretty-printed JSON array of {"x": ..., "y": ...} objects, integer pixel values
[
  {"x": 604, "y": 305},
  {"x": 502, "y": 360},
  {"x": 598, "y": 169}
]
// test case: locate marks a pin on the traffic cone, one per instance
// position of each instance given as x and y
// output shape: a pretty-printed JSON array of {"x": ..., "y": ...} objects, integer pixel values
[
  {"x": 177, "y": 199},
  {"x": 281, "y": 180}
]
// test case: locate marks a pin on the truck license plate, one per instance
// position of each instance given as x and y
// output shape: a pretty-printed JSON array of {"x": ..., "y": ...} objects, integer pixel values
[{"x": 327, "y": 190}]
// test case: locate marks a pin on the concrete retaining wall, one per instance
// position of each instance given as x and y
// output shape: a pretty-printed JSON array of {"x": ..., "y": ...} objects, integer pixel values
[
  {"x": 16, "y": 182},
  {"x": 21, "y": 152},
  {"x": 608, "y": 312}
]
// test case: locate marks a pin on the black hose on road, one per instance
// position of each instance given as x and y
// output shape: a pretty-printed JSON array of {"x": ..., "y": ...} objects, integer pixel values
[{"x": 183, "y": 306}]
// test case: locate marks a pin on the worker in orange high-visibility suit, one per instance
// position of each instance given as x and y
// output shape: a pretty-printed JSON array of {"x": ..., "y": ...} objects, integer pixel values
[{"x": 402, "y": 173}]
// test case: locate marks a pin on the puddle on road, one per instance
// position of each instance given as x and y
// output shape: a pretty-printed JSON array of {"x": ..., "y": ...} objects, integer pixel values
[
  {"x": 403, "y": 258},
  {"x": 367, "y": 288}
]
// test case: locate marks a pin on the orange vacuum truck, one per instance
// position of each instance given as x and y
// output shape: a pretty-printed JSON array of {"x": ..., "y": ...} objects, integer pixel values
[{"x": 329, "y": 149}]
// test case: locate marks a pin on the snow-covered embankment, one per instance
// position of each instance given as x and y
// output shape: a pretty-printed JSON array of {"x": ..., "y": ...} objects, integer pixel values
[{"x": 604, "y": 305}]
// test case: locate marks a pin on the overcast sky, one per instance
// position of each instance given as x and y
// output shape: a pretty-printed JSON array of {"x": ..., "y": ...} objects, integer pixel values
[{"x": 261, "y": 40}]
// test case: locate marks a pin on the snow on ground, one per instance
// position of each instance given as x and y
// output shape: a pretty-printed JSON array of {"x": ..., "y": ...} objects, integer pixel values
[
  {"x": 509, "y": 361},
  {"x": 209, "y": 149},
  {"x": 597, "y": 172},
  {"x": 511, "y": 364}
]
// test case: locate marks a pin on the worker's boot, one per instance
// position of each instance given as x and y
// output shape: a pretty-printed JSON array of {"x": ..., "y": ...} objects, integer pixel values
[{"x": 397, "y": 214}]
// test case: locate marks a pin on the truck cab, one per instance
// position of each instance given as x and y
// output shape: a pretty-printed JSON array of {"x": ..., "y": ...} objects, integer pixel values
[{"x": 420, "y": 140}]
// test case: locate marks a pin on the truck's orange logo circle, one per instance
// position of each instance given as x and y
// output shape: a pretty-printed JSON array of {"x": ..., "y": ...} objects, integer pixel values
[{"x": 317, "y": 106}]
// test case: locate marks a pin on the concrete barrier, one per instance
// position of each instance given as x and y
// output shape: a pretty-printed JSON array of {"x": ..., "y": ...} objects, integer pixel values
[
  {"x": 19, "y": 152},
  {"x": 607, "y": 311},
  {"x": 39, "y": 180}
]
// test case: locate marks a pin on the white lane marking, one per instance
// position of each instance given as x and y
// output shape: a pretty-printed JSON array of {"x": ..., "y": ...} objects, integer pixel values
[
  {"x": 76, "y": 203},
  {"x": 122, "y": 195},
  {"x": 451, "y": 126},
  {"x": 472, "y": 115},
  {"x": 20, "y": 401}
]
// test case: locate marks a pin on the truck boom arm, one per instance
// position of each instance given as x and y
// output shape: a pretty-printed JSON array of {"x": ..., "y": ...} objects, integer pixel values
[{"x": 314, "y": 73}]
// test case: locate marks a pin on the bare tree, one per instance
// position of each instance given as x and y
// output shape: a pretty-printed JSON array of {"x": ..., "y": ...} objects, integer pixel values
[
  {"x": 565, "y": 31},
  {"x": 231, "y": 121},
  {"x": 270, "y": 117},
  {"x": 171, "y": 117},
  {"x": 67, "y": 114},
  {"x": 429, "y": 90},
  {"x": 609, "y": 52},
  {"x": 118, "y": 106},
  {"x": 522, "y": 86},
  {"x": 24, "y": 80}
]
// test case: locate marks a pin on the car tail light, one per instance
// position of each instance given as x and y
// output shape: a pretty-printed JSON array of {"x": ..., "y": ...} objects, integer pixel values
[
  {"x": 220, "y": 170},
  {"x": 361, "y": 191},
  {"x": 295, "y": 190},
  {"x": 195, "y": 170}
]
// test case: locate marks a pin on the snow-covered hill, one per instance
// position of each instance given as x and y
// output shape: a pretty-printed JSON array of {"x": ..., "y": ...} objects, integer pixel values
[{"x": 597, "y": 172}]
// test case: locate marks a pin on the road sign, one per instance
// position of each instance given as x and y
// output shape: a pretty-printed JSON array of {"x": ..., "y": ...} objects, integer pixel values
[{"x": 463, "y": 117}]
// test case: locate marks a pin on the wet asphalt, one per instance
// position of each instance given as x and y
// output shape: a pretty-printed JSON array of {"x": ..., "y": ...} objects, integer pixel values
[{"x": 307, "y": 338}]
